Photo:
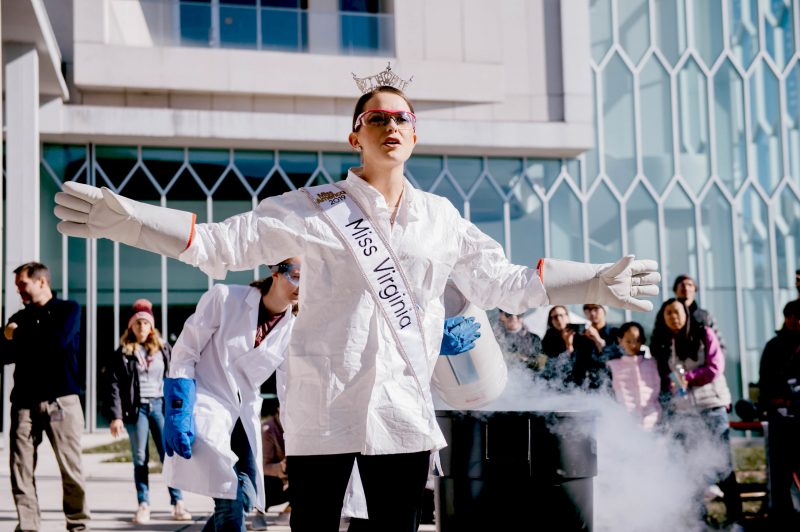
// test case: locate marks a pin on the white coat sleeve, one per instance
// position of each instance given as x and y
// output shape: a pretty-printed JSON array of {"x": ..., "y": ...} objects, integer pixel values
[
  {"x": 487, "y": 278},
  {"x": 197, "y": 333},
  {"x": 272, "y": 232}
]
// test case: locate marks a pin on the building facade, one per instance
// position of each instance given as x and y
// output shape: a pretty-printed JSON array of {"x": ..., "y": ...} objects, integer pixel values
[{"x": 580, "y": 130}]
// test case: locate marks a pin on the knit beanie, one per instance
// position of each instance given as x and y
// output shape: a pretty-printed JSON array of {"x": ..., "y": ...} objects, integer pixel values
[{"x": 142, "y": 310}]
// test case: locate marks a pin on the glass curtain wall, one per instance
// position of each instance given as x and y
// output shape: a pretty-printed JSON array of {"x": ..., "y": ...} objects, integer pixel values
[{"x": 696, "y": 161}]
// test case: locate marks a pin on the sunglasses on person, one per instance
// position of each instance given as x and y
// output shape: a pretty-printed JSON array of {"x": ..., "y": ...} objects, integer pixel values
[{"x": 404, "y": 120}]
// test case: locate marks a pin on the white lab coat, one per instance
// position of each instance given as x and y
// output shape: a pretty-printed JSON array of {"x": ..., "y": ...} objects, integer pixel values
[
  {"x": 216, "y": 349},
  {"x": 348, "y": 390}
]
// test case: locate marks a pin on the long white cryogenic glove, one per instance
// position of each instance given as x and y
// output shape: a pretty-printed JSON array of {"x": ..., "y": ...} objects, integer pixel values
[
  {"x": 617, "y": 284},
  {"x": 91, "y": 212}
]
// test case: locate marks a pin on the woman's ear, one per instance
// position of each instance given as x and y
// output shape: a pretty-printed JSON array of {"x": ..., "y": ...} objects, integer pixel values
[{"x": 353, "y": 140}]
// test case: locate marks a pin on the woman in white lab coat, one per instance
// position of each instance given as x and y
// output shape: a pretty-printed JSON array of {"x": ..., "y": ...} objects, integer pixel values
[
  {"x": 358, "y": 373},
  {"x": 234, "y": 341}
]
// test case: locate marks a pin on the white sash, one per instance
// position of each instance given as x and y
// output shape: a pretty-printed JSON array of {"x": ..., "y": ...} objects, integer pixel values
[{"x": 381, "y": 271}]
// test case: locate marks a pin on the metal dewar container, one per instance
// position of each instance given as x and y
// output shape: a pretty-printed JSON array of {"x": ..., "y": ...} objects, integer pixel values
[{"x": 516, "y": 471}]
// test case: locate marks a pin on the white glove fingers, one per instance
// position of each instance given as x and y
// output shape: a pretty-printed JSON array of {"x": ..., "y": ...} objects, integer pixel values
[
  {"x": 618, "y": 267},
  {"x": 644, "y": 266},
  {"x": 72, "y": 202},
  {"x": 82, "y": 191},
  {"x": 646, "y": 278},
  {"x": 638, "y": 305},
  {"x": 645, "y": 290},
  {"x": 74, "y": 229},
  {"x": 70, "y": 215}
]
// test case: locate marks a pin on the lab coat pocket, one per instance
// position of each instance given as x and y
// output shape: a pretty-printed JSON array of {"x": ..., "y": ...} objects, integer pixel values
[{"x": 308, "y": 394}]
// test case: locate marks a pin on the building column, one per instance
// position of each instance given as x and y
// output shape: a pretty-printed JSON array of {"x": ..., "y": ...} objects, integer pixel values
[{"x": 22, "y": 178}]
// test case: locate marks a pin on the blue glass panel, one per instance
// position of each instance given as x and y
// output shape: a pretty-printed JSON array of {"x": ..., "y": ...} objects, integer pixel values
[
  {"x": 792, "y": 121},
  {"x": 602, "y": 36},
  {"x": 593, "y": 154},
  {"x": 139, "y": 276},
  {"x": 425, "y": 169},
  {"x": 544, "y": 172},
  {"x": 619, "y": 129},
  {"x": 50, "y": 247},
  {"x": 466, "y": 170},
  {"x": 787, "y": 243},
  {"x": 634, "y": 27},
  {"x": 139, "y": 187},
  {"x": 707, "y": 24},
  {"x": 209, "y": 165},
  {"x": 448, "y": 190},
  {"x": 605, "y": 242},
  {"x": 116, "y": 162},
  {"x": 163, "y": 163},
  {"x": 527, "y": 225},
  {"x": 486, "y": 211},
  {"x": 642, "y": 219},
  {"x": 337, "y": 164},
  {"x": 505, "y": 171},
  {"x": 765, "y": 126},
  {"x": 298, "y": 166},
  {"x": 566, "y": 229},
  {"x": 695, "y": 164},
  {"x": 656, "y": 124},
  {"x": 360, "y": 33},
  {"x": 731, "y": 140},
  {"x": 778, "y": 32},
  {"x": 743, "y": 15},
  {"x": 680, "y": 240},
  {"x": 755, "y": 273},
  {"x": 717, "y": 282},
  {"x": 238, "y": 27},
  {"x": 66, "y": 161},
  {"x": 195, "y": 21},
  {"x": 254, "y": 166},
  {"x": 284, "y": 29},
  {"x": 671, "y": 28}
]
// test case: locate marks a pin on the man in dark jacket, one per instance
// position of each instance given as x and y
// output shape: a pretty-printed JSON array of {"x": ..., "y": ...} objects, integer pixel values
[
  {"x": 42, "y": 341},
  {"x": 779, "y": 396}
]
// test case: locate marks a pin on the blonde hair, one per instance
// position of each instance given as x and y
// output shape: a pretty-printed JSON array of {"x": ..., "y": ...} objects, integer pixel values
[{"x": 152, "y": 344}]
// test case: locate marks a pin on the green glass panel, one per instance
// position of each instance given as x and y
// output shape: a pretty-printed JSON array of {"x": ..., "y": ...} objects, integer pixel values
[
  {"x": 115, "y": 163},
  {"x": 505, "y": 171},
  {"x": 337, "y": 164},
  {"x": 695, "y": 163},
  {"x": 619, "y": 129},
  {"x": 656, "y": 124},
  {"x": 298, "y": 166},
  {"x": 163, "y": 163},
  {"x": 66, "y": 161},
  {"x": 634, "y": 27},
  {"x": 50, "y": 241},
  {"x": 448, "y": 190},
  {"x": 787, "y": 242},
  {"x": 544, "y": 172},
  {"x": 274, "y": 185},
  {"x": 765, "y": 127},
  {"x": 566, "y": 229},
  {"x": 486, "y": 211},
  {"x": 670, "y": 28},
  {"x": 731, "y": 139},
  {"x": 605, "y": 242},
  {"x": 139, "y": 187},
  {"x": 593, "y": 154}
]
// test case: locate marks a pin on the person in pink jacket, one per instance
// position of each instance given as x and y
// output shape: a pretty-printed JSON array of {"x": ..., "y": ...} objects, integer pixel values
[{"x": 634, "y": 376}]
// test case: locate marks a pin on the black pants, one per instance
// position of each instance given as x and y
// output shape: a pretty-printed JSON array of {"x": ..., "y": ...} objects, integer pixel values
[{"x": 393, "y": 485}]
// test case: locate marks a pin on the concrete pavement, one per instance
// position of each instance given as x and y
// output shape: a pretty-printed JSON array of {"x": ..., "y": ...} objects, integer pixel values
[{"x": 112, "y": 496}]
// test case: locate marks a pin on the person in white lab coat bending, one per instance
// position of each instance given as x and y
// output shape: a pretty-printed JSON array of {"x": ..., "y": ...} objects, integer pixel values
[
  {"x": 234, "y": 341},
  {"x": 377, "y": 255}
]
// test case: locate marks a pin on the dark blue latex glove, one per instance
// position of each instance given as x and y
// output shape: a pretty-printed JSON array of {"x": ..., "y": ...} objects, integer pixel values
[
  {"x": 179, "y": 395},
  {"x": 459, "y": 335}
]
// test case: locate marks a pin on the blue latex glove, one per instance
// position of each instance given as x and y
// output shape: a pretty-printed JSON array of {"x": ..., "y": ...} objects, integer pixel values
[
  {"x": 459, "y": 335},
  {"x": 179, "y": 396}
]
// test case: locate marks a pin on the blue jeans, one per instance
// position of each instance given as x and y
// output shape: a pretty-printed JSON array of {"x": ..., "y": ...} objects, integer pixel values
[
  {"x": 229, "y": 514},
  {"x": 151, "y": 419}
]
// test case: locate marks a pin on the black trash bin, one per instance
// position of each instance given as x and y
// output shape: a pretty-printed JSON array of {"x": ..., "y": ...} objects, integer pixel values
[{"x": 516, "y": 471}]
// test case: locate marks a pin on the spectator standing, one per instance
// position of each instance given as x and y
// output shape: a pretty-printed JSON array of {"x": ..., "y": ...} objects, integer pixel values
[
  {"x": 695, "y": 393},
  {"x": 568, "y": 350},
  {"x": 518, "y": 343},
  {"x": 42, "y": 340},
  {"x": 634, "y": 377},
  {"x": 779, "y": 397},
  {"x": 685, "y": 289},
  {"x": 136, "y": 375}
]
